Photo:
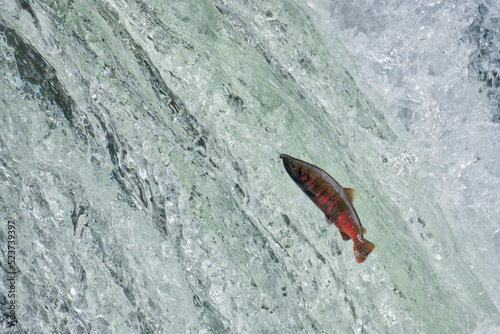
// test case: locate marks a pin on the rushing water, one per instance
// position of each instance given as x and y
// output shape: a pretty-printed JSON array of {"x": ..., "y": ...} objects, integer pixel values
[{"x": 141, "y": 180}]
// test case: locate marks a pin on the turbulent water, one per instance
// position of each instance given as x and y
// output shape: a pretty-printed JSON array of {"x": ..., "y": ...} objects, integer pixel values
[{"x": 141, "y": 186}]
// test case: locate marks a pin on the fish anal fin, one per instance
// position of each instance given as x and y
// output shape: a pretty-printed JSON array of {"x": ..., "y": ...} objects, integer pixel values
[
  {"x": 351, "y": 193},
  {"x": 345, "y": 236}
]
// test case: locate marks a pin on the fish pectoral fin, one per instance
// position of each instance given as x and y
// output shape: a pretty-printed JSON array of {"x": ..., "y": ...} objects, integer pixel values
[
  {"x": 308, "y": 191},
  {"x": 351, "y": 193},
  {"x": 345, "y": 236},
  {"x": 328, "y": 220},
  {"x": 363, "y": 229}
]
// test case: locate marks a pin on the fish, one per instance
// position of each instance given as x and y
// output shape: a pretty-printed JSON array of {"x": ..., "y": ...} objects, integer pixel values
[{"x": 335, "y": 201}]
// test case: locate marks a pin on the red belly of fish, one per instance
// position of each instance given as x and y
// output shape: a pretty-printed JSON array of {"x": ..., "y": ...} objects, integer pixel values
[
  {"x": 334, "y": 207},
  {"x": 348, "y": 226}
]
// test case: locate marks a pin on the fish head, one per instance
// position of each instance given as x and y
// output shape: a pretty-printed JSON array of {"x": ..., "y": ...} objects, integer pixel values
[{"x": 297, "y": 169}]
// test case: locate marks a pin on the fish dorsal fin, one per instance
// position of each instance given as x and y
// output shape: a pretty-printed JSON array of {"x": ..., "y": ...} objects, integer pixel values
[{"x": 351, "y": 193}]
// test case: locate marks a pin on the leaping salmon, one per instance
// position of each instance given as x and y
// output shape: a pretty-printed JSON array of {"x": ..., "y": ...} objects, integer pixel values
[{"x": 334, "y": 200}]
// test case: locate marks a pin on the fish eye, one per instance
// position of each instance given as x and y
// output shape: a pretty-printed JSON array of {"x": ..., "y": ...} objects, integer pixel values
[{"x": 293, "y": 165}]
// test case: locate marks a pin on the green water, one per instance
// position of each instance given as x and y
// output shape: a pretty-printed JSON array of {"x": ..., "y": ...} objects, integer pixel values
[{"x": 140, "y": 148}]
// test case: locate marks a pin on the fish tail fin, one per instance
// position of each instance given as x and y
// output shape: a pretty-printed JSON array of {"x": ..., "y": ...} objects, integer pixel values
[{"x": 362, "y": 249}]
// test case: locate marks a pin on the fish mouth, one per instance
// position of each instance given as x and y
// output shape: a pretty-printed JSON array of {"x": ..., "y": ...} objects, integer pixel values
[{"x": 287, "y": 160}]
